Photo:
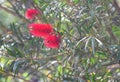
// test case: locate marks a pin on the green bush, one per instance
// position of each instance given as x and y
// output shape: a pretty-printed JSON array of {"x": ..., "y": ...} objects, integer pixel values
[{"x": 90, "y": 44}]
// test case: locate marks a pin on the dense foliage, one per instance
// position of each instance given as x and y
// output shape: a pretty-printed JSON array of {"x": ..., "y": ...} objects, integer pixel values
[{"x": 87, "y": 49}]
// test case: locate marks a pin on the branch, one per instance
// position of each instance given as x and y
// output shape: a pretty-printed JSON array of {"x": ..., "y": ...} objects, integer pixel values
[
  {"x": 113, "y": 67},
  {"x": 116, "y": 5},
  {"x": 43, "y": 58},
  {"x": 9, "y": 74},
  {"x": 109, "y": 30},
  {"x": 13, "y": 13}
]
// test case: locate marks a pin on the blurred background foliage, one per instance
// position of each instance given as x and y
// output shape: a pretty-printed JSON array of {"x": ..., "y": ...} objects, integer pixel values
[{"x": 90, "y": 41}]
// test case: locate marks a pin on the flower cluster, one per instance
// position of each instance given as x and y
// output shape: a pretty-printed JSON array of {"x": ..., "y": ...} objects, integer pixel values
[
  {"x": 45, "y": 31},
  {"x": 40, "y": 30},
  {"x": 31, "y": 13}
]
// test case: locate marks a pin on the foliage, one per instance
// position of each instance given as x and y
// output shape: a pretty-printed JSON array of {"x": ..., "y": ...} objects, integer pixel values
[{"x": 90, "y": 42}]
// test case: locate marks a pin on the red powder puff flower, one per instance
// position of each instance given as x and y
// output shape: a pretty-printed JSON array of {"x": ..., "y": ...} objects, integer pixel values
[
  {"x": 40, "y": 30},
  {"x": 31, "y": 13},
  {"x": 52, "y": 41}
]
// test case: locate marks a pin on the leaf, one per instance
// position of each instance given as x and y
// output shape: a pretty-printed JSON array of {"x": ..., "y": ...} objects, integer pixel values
[
  {"x": 15, "y": 52},
  {"x": 100, "y": 43},
  {"x": 116, "y": 31},
  {"x": 80, "y": 41},
  {"x": 36, "y": 1},
  {"x": 10, "y": 52},
  {"x": 101, "y": 55},
  {"x": 76, "y": 1},
  {"x": 93, "y": 61},
  {"x": 60, "y": 70},
  {"x": 19, "y": 53},
  {"x": 16, "y": 31},
  {"x": 90, "y": 1},
  {"x": 17, "y": 66},
  {"x": 93, "y": 44},
  {"x": 86, "y": 44}
]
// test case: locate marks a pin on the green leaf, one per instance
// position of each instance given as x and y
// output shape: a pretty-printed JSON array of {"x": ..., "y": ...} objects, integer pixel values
[
  {"x": 100, "y": 54},
  {"x": 15, "y": 52},
  {"x": 10, "y": 52},
  {"x": 75, "y": 1},
  {"x": 89, "y": 1},
  {"x": 16, "y": 65},
  {"x": 19, "y": 53},
  {"x": 93, "y": 61},
  {"x": 116, "y": 31},
  {"x": 93, "y": 44},
  {"x": 60, "y": 70},
  {"x": 36, "y": 1}
]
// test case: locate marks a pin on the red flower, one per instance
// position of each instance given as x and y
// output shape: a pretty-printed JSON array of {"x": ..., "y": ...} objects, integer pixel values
[
  {"x": 41, "y": 30},
  {"x": 52, "y": 41},
  {"x": 31, "y": 13}
]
